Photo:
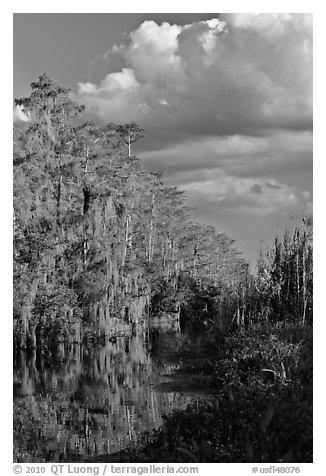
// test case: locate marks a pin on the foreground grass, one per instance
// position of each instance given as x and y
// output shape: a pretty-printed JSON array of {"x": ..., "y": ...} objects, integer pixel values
[{"x": 262, "y": 411}]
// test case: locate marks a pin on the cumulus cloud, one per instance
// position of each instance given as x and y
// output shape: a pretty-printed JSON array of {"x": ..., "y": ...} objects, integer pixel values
[
  {"x": 235, "y": 73},
  {"x": 119, "y": 91},
  {"x": 227, "y": 107},
  {"x": 152, "y": 53}
]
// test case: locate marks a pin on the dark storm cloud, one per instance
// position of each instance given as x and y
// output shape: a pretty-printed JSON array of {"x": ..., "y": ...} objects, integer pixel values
[
  {"x": 256, "y": 188},
  {"x": 242, "y": 156}
]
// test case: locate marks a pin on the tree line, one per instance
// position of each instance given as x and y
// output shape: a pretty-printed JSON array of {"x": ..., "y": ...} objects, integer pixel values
[
  {"x": 99, "y": 240},
  {"x": 101, "y": 245}
]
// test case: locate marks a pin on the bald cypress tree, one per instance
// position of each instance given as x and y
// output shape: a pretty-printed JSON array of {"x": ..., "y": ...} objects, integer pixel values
[{"x": 98, "y": 239}]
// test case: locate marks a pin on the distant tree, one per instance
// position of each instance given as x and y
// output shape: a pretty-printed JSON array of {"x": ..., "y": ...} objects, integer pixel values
[{"x": 130, "y": 133}]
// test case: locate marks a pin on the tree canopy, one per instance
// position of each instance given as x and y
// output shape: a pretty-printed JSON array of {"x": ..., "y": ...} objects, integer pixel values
[{"x": 97, "y": 237}]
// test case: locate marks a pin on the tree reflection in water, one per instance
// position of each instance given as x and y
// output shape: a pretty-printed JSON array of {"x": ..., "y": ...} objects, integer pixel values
[{"x": 86, "y": 401}]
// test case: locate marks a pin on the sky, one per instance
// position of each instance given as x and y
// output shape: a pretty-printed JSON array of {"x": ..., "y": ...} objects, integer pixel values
[{"x": 225, "y": 100}]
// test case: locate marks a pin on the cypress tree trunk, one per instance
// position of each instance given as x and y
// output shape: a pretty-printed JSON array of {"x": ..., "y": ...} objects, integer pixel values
[{"x": 25, "y": 313}]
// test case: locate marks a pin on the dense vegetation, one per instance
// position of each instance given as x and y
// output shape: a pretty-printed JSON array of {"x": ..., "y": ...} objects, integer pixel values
[
  {"x": 101, "y": 245},
  {"x": 99, "y": 241},
  {"x": 262, "y": 411},
  {"x": 261, "y": 370}
]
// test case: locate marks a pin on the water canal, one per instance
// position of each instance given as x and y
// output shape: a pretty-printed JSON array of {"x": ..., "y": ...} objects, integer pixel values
[{"x": 90, "y": 400}]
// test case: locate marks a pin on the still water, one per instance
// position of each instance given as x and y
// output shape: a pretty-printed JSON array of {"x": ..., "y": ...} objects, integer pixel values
[{"x": 86, "y": 401}]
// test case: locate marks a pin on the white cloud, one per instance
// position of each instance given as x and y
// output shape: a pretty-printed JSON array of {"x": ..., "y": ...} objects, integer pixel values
[
  {"x": 112, "y": 83},
  {"x": 228, "y": 103},
  {"x": 87, "y": 88},
  {"x": 152, "y": 53},
  {"x": 19, "y": 115},
  {"x": 236, "y": 74},
  {"x": 120, "y": 81},
  {"x": 117, "y": 93}
]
